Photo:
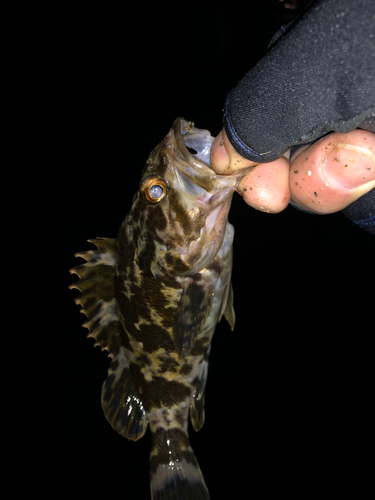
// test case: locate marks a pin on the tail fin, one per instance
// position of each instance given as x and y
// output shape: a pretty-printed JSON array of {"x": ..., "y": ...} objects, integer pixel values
[{"x": 178, "y": 480}]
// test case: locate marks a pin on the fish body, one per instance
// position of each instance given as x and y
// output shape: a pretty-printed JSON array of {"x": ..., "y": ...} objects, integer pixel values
[{"x": 153, "y": 297}]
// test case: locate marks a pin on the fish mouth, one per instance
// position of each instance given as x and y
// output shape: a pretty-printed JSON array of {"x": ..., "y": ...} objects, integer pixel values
[
  {"x": 193, "y": 160},
  {"x": 197, "y": 156},
  {"x": 190, "y": 148},
  {"x": 194, "y": 149}
]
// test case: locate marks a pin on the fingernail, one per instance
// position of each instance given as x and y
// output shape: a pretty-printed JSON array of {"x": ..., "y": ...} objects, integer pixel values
[
  {"x": 350, "y": 166},
  {"x": 219, "y": 155}
]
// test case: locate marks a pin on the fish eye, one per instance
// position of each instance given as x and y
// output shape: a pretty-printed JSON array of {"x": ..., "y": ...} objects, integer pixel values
[{"x": 153, "y": 190}]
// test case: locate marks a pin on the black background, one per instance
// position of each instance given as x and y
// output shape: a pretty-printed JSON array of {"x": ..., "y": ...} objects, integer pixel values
[{"x": 286, "y": 395}]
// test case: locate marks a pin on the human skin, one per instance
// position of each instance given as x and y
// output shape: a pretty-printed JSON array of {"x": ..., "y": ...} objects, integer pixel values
[{"x": 323, "y": 178}]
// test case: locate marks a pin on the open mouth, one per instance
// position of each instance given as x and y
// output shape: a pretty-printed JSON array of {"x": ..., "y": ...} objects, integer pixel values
[{"x": 194, "y": 148}]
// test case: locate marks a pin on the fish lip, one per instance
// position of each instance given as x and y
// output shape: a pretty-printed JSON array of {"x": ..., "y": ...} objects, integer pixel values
[
  {"x": 199, "y": 171},
  {"x": 213, "y": 200},
  {"x": 183, "y": 128},
  {"x": 221, "y": 187}
]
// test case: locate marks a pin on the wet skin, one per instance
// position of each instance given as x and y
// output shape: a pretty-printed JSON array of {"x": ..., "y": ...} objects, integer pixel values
[{"x": 323, "y": 178}]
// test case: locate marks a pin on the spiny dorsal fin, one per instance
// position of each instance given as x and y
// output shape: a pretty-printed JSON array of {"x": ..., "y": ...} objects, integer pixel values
[{"x": 98, "y": 294}]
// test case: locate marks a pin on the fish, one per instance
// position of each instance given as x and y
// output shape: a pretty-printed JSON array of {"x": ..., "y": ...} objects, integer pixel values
[{"x": 153, "y": 296}]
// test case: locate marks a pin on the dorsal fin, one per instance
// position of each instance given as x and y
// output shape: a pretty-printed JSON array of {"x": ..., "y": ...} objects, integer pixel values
[
  {"x": 121, "y": 403},
  {"x": 98, "y": 294}
]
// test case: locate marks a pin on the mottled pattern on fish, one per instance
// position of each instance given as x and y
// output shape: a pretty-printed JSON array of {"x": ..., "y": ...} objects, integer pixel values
[{"x": 153, "y": 297}]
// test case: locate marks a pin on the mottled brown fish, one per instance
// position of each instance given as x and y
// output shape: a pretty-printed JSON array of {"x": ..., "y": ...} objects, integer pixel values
[{"x": 153, "y": 296}]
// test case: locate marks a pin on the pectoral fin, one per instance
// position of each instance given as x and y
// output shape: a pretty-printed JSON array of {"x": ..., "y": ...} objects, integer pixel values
[
  {"x": 192, "y": 311},
  {"x": 197, "y": 400},
  {"x": 228, "y": 307}
]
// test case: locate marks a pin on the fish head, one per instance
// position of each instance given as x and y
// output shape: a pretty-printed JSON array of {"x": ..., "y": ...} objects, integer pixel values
[{"x": 182, "y": 205}]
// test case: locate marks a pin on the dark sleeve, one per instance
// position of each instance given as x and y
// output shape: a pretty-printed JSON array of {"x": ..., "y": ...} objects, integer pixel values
[
  {"x": 362, "y": 212},
  {"x": 318, "y": 77}
]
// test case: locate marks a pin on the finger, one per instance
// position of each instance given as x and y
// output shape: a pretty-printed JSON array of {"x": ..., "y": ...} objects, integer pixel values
[
  {"x": 224, "y": 158},
  {"x": 266, "y": 186},
  {"x": 333, "y": 172}
]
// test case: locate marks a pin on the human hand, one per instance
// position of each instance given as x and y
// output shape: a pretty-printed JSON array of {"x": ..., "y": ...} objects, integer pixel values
[{"x": 324, "y": 177}]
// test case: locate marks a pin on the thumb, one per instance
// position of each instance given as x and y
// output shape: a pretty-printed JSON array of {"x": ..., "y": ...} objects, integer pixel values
[
  {"x": 224, "y": 158},
  {"x": 334, "y": 172}
]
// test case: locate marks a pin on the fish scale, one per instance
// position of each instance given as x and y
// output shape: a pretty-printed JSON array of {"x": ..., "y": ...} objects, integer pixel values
[{"x": 153, "y": 297}]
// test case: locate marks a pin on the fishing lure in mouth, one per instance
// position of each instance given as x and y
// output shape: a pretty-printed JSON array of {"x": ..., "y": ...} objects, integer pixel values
[{"x": 153, "y": 297}]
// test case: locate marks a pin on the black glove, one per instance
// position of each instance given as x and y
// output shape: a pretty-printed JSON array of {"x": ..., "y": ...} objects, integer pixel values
[{"x": 317, "y": 77}]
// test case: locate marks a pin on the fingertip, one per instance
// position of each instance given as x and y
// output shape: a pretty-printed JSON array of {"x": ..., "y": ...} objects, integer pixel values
[
  {"x": 224, "y": 158},
  {"x": 266, "y": 187},
  {"x": 219, "y": 157}
]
